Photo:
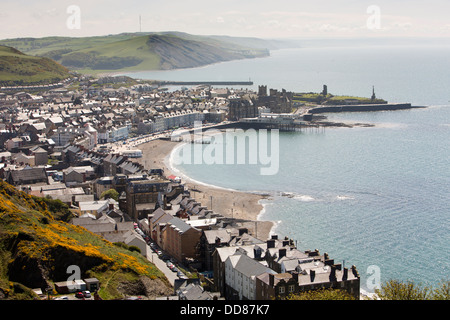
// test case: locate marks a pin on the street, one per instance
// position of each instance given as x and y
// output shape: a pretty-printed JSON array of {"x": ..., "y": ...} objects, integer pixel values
[{"x": 161, "y": 265}]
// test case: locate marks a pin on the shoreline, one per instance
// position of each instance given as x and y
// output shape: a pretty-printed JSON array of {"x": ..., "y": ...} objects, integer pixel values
[{"x": 244, "y": 205}]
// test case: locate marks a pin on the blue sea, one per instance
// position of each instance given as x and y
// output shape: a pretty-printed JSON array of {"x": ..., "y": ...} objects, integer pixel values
[{"x": 368, "y": 196}]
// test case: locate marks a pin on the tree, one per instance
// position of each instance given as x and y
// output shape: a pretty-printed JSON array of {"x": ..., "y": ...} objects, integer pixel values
[
  {"x": 111, "y": 193},
  {"x": 442, "y": 292},
  {"x": 397, "y": 290},
  {"x": 322, "y": 294}
]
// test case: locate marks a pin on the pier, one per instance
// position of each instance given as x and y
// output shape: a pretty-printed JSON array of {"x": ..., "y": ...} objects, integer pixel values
[{"x": 281, "y": 121}]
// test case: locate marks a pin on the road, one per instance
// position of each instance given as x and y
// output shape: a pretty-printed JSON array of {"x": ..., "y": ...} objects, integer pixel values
[{"x": 161, "y": 265}]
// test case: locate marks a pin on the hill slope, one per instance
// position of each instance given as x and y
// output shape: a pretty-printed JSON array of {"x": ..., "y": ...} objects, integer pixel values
[
  {"x": 37, "y": 246},
  {"x": 17, "y": 68},
  {"x": 134, "y": 52}
]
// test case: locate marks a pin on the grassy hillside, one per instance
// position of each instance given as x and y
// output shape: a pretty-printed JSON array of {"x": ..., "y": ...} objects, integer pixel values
[
  {"x": 17, "y": 68},
  {"x": 37, "y": 245},
  {"x": 139, "y": 51},
  {"x": 329, "y": 99}
]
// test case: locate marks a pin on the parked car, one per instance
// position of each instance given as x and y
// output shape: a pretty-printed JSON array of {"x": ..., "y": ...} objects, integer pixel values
[
  {"x": 86, "y": 294},
  {"x": 79, "y": 295}
]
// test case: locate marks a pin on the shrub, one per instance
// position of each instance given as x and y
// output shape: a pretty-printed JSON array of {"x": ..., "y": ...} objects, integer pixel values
[{"x": 134, "y": 248}]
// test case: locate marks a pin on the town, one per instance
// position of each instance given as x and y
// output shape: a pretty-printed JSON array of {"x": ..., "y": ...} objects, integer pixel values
[{"x": 79, "y": 142}]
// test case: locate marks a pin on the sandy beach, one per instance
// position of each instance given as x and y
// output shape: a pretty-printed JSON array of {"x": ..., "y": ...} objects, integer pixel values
[{"x": 226, "y": 202}]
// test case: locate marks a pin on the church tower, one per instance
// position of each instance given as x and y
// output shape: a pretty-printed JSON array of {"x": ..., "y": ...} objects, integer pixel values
[{"x": 373, "y": 93}]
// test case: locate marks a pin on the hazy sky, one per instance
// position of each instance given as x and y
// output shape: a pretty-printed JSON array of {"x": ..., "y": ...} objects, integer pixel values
[{"x": 256, "y": 18}]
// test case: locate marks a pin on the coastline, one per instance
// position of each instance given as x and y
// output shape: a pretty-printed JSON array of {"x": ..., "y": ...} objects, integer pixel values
[{"x": 227, "y": 202}]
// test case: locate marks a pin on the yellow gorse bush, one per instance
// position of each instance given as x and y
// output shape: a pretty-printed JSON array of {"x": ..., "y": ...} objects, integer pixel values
[{"x": 130, "y": 262}]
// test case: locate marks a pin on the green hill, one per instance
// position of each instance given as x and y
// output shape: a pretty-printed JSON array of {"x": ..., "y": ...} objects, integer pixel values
[
  {"x": 139, "y": 51},
  {"x": 37, "y": 245},
  {"x": 17, "y": 68}
]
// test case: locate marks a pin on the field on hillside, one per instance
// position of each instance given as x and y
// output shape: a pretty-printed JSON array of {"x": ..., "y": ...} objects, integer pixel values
[
  {"x": 139, "y": 51},
  {"x": 17, "y": 68}
]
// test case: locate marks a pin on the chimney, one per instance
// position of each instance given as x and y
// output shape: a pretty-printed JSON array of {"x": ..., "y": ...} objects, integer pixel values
[
  {"x": 111, "y": 206},
  {"x": 314, "y": 253},
  {"x": 271, "y": 279},
  {"x": 274, "y": 237},
  {"x": 329, "y": 262},
  {"x": 295, "y": 276},
  {"x": 270, "y": 243},
  {"x": 312, "y": 275},
  {"x": 345, "y": 275},
  {"x": 242, "y": 231},
  {"x": 281, "y": 253},
  {"x": 257, "y": 252},
  {"x": 285, "y": 243},
  {"x": 333, "y": 273},
  {"x": 354, "y": 271}
]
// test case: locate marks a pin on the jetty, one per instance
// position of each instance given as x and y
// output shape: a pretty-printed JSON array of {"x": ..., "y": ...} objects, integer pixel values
[
  {"x": 360, "y": 107},
  {"x": 279, "y": 121}
]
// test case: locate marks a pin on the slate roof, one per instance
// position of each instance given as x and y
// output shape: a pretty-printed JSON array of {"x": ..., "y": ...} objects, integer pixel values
[
  {"x": 248, "y": 266},
  {"x": 25, "y": 175},
  {"x": 179, "y": 224},
  {"x": 212, "y": 235}
]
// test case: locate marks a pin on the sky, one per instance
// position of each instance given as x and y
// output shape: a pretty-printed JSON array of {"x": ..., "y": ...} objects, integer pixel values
[{"x": 247, "y": 18}]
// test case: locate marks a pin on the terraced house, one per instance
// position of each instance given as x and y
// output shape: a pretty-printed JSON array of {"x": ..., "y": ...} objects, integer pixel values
[{"x": 144, "y": 196}]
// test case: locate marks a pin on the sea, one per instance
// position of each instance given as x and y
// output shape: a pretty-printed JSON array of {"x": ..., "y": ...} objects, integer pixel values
[{"x": 375, "y": 197}]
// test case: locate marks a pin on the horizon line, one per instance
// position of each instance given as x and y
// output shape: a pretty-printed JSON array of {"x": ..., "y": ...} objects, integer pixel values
[{"x": 302, "y": 37}]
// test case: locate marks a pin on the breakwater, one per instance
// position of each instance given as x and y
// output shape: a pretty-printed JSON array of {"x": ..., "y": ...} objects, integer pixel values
[{"x": 361, "y": 108}]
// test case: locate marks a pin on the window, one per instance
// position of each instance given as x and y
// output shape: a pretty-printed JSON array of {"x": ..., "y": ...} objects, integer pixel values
[
  {"x": 291, "y": 288},
  {"x": 281, "y": 290}
]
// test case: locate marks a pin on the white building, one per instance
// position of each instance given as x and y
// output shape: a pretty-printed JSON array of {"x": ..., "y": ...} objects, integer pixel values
[
  {"x": 119, "y": 133},
  {"x": 113, "y": 134},
  {"x": 96, "y": 208},
  {"x": 64, "y": 135},
  {"x": 159, "y": 124},
  {"x": 240, "y": 276},
  {"x": 183, "y": 118}
]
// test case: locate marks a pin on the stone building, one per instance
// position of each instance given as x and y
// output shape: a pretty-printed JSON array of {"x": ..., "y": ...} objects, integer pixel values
[
  {"x": 288, "y": 271},
  {"x": 279, "y": 286},
  {"x": 26, "y": 176},
  {"x": 277, "y": 102},
  {"x": 144, "y": 196},
  {"x": 40, "y": 156},
  {"x": 180, "y": 239},
  {"x": 239, "y": 108}
]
